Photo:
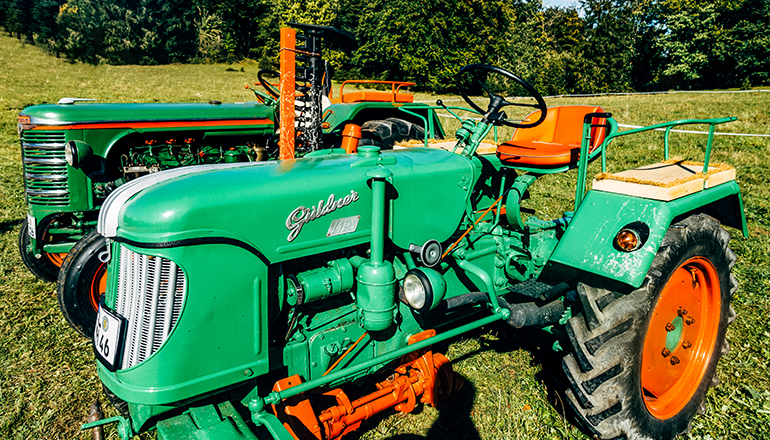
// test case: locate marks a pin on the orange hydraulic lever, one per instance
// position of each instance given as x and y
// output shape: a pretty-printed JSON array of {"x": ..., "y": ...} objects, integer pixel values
[{"x": 287, "y": 96}]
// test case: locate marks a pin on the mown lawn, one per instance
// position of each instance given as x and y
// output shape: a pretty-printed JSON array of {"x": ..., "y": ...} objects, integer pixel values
[{"x": 47, "y": 374}]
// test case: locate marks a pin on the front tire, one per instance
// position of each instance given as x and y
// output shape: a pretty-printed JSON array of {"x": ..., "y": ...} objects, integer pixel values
[
  {"x": 82, "y": 281},
  {"x": 641, "y": 362},
  {"x": 47, "y": 266}
]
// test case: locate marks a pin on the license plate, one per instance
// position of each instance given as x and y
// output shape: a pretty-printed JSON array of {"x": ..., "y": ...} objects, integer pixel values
[
  {"x": 31, "y": 227},
  {"x": 107, "y": 337}
]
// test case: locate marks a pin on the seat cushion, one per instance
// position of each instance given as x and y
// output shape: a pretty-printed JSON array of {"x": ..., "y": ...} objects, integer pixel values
[
  {"x": 538, "y": 153},
  {"x": 555, "y": 143}
]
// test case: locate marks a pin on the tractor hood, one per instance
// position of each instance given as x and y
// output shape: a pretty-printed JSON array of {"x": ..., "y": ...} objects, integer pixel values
[
  {"x": 86, "y": 113},
  {"x": 292, "y": 208}
]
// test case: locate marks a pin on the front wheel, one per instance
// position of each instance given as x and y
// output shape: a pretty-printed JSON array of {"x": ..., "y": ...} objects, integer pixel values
[
  {"x": 82, "y": 281},
  {"x": 641, "y": 362},
  {"x": 47, "y": 266}
]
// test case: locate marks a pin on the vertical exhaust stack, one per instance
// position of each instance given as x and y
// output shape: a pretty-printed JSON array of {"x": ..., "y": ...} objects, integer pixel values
[{"x": 376, "y": 280}]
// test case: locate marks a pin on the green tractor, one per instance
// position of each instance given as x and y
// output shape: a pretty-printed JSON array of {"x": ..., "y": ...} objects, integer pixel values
[
  {"x": 75, "y": 153},
  {"x": 241, "y": 296}
]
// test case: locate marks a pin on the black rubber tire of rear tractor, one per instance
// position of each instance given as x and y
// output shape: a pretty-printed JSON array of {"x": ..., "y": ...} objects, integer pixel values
[
  {"x": 41, "y": 267},
  {"x": 78, "y": 280},
  {"x": 604, "y": 366},
  {"x": 385, "y": 133}
]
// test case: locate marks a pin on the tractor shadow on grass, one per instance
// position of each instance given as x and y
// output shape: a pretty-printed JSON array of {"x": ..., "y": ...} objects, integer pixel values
[
  {"x": 454, "y": 415},
  {"x": 453, "y": 422},
  {"x": 8, "y": 226}
]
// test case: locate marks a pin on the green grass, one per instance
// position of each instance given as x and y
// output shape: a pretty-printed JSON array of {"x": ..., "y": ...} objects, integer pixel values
[{"x": 47, "y": 374}]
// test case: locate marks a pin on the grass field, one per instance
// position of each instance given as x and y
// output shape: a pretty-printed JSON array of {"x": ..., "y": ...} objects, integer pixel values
[{"x": 47, "y": 374}]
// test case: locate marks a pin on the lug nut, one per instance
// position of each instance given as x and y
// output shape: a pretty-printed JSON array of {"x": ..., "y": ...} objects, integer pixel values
[
  {"x": 670, "y": 327},
  {"x": 690, "y": 320},
  {"x": 686, "y": 345},
  {"x": 666, "y": 352},
  {"x": 681, "y": 311},
  {"x": 674, "y": 360}
]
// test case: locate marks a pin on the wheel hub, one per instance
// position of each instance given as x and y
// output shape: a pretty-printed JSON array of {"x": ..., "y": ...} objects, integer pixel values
[{"x": 681, "y": 337}]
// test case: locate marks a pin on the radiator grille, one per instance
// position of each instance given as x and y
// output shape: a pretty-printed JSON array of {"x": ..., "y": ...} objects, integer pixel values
[
  {"x": 150, "y": 295},
  {"x": 45, "y": 169}
]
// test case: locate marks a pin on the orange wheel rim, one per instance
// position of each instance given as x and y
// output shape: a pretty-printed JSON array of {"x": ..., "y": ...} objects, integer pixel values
[
  {"x": 56, "y": 259},
  {"x": 681, "y": 337},
  {"x": 98, "y": 286}
]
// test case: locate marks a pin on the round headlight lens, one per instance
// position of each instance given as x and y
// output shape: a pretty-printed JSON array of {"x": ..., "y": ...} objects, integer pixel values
[
  {"x": 71, "y": 153},
  {"x": 414, "y": 291}
]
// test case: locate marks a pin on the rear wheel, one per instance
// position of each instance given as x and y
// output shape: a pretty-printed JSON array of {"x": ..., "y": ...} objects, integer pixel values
[
  {"x": 47, "y": 266},
  {"x": 83, "y": 279},
  {"x": 642, "y": 362},
  {"x": 385, "y": 133}
]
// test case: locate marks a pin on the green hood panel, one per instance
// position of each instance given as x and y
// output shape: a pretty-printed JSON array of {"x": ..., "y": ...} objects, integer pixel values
[
  {"x": 293, "y": 208},
  {"x": 82, "y": 113}
]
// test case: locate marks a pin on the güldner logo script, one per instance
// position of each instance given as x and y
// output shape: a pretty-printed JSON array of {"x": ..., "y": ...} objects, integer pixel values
[{"x": 300, "y": 216}]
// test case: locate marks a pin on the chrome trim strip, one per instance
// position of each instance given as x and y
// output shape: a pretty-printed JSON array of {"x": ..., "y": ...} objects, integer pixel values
[
  {"x": 30, "y": 160},
  {"x": 47, "y": 192},
  {"x": 46, "y": 146},
  {"x": 46, "y": 177}
]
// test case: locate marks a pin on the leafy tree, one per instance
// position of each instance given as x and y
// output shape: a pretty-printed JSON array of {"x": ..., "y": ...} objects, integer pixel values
[{"x": 604, "y": 64}]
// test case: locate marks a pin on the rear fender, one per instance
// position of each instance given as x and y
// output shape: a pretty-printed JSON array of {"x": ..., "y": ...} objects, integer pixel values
[{"x": 587, "y": 245}]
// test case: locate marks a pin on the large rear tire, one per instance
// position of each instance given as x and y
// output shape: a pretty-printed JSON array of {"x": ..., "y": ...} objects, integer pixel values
[
  {"x": 47, "y": 266},
  {"x": 82, "y": 281},
  {"x": 385, "y": 133},
  {"x": 641, "y": 363}
]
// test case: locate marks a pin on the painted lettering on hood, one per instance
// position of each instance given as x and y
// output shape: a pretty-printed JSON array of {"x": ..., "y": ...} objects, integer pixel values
[{"x": 302, "y": 215}]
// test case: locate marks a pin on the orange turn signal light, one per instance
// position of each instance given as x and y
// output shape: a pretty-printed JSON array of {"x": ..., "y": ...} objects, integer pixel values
[{"x": 628, "y": 240}]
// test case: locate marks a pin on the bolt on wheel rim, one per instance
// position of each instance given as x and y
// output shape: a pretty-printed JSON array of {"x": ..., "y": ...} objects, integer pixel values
[{"x": 681, "y": 337}]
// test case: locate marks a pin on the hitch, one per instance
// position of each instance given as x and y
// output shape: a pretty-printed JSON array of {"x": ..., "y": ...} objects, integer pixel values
[{"x": 423, "y": 375}]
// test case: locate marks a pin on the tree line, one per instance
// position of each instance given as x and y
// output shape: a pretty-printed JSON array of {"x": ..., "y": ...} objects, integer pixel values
[{"x": 595, "y": 46}]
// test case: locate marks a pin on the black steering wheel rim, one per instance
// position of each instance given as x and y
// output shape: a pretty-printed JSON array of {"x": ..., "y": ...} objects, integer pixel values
[
  {"x": 275, "y": 93},
  {"x": 500, "y": 101}
]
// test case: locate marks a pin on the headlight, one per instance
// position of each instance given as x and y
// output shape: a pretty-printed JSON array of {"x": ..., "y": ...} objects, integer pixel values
[
  {"x": 76, "y": 153},
  {"x": 423, "y": 289}
]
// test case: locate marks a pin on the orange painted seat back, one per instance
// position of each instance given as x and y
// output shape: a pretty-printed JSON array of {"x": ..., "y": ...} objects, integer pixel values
[{"x": 555, "y": 142}]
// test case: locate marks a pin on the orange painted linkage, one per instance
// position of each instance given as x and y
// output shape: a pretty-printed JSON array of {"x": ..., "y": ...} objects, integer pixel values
[
  {"x": 287, "y": 89},
  {"x": 427, "y": 376}
]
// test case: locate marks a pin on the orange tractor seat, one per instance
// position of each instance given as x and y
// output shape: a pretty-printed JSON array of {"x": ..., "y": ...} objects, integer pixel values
[{"x": 556, "y": 141}]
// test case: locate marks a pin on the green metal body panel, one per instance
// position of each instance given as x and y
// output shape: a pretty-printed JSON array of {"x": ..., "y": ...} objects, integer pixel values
[
  {"x": 602, "y": 215},
  {"x": 214, "y": 203},
  {"x": 109, "y": 128},
  {"x": 173, "y": 113},
  {"x": 227, "y": 341}
]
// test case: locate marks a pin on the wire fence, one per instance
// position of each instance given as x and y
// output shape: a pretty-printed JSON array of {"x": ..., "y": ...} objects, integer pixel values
[{"x": 591, "y": 95}]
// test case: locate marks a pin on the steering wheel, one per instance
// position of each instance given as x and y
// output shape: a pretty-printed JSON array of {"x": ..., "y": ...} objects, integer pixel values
[
  {"x": 269, "y": 87},
  {"x": 497, "y": 102}
]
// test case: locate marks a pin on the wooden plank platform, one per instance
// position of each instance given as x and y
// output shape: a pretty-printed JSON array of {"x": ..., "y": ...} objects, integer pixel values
[
  {"x": 664, "y": 181},
  {"x": 484, "y": 148}
]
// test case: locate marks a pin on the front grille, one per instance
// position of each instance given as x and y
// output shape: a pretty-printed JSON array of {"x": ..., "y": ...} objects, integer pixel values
[
  {"x": 151, "y": 293},
  {"x": 45, "y": 169}
]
